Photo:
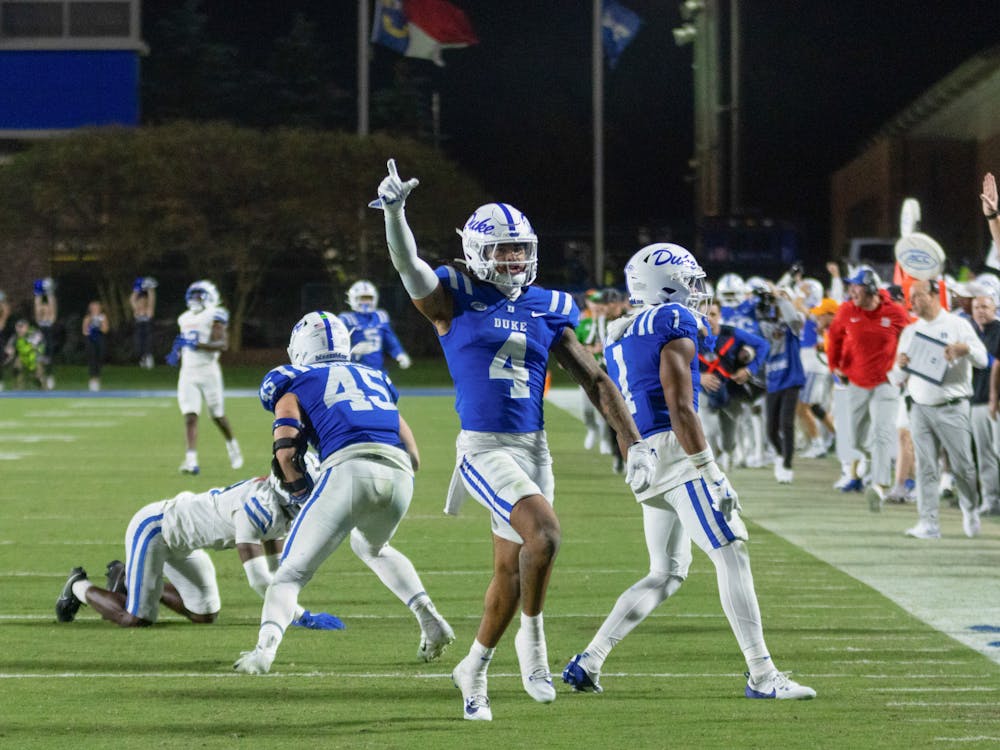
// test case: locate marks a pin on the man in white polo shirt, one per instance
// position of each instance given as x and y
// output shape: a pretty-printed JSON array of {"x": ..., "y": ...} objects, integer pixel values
[{"x": 939, "y": 416}]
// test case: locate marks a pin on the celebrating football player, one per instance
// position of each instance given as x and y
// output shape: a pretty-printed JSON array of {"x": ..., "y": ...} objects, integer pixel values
[
  {"x": 204, "y": 334},
  {"x": 496, "y": 330},
  {"x": 651, "y": 355},
  {"x": 348, "y": 413}
]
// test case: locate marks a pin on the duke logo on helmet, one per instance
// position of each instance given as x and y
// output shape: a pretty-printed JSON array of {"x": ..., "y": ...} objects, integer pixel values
[
  {"x": 664, "y": 272},
  {"x": 500, "y": 247}
]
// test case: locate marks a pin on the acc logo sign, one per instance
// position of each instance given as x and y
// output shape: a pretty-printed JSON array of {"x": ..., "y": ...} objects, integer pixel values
[{"x": 920, "y": 255}]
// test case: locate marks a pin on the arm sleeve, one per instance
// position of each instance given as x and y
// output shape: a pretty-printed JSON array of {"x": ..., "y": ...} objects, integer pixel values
[
  {"x": 978, "y": 355},
  {"x": 791, "y": 317},
  {"x": 258, "y": 574},
  {"x": 418, "y": 277}
]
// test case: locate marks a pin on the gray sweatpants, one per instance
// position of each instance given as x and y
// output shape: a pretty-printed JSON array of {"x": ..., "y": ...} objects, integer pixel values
[
  {"x": 984, "y": 435},
  {"x": 935, "y": 428},
  {"x": 873, "y": 421}
]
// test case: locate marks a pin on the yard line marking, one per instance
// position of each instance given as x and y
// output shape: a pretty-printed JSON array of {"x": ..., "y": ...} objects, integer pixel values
[
  {"x": 978, "y": 689},
  {"x": 38, "y": 438}
]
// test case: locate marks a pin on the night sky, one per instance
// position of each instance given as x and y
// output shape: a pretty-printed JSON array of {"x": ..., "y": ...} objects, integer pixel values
[{"x": 819, "y": 79}]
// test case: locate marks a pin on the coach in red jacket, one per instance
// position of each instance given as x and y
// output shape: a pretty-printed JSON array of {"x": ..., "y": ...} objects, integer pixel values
[{"x": 861, "y": 348}]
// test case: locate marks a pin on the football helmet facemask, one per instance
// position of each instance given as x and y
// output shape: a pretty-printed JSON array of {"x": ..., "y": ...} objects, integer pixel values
[
  {"x": 201, "y": 294},
  {"x": 319, "y": 337},
  {"x": 730, "y": 290},
  {"x": 357, "y": 294},
  {"x": 500, "y": 247},
  {"x": 664, "y": 272}
]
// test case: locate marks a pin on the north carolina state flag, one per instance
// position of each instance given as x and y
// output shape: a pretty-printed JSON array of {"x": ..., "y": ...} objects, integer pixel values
[{"x": 421, "y": 28}]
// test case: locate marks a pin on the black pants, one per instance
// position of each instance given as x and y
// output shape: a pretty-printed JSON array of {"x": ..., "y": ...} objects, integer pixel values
[
  {"x": 781, "y": 422},
  {"x": 143, "y": 338},
  {"x": 95, "y": 356}
]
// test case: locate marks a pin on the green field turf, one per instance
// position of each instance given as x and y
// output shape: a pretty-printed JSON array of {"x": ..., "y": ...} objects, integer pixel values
[{"x": 74, "y": 471}]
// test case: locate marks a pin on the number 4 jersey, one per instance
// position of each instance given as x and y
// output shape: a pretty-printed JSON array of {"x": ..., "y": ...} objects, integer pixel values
[
  {"x": 345, "y": 403},
  {"x": 498, "y": 351}
]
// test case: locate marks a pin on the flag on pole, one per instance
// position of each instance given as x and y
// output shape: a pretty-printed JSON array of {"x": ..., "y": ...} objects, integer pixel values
[
  {"x": 421, "y": 28},
  {"x": 619, "y": 25}
]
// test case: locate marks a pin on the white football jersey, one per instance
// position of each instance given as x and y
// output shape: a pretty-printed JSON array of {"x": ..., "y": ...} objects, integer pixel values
[
  {"x": 197, "y": 327},
  {"x": 243, "y": 513}
]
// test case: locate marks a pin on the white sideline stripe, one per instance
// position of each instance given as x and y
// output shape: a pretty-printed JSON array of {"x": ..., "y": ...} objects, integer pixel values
[
  {"x": 922, "y": 704},
  {"x": 38, "y": 438},
  {"x": 372, "y": 616},
  {"x": 13, "y": 456},
  {"x": 933, "y": 690},
  {"x": 336, "y": 675}
]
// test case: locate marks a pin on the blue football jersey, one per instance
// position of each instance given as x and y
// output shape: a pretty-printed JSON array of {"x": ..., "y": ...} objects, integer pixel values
[
  {"x": 343, "y": 402},
  {"x": 371, "y": 337},
  {"x": 634, "y": 363},
  {"x": 498, "y": 351},
  {"x": 809, "y": 335},
  {"x": 743, "y": 316}
]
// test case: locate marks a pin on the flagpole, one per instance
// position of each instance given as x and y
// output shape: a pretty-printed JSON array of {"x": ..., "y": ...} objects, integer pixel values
[
  {"x": 363, "y": 83},
  {"x": 598, "y": 106}
]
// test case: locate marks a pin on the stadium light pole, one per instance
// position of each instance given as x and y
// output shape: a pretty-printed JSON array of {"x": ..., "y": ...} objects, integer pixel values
[
  {"x": 363, "y": 72},
  {"x": 597, "y": 95}
]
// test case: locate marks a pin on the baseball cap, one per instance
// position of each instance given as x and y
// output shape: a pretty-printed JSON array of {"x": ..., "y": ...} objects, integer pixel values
[{"x": 826, "y": 306}]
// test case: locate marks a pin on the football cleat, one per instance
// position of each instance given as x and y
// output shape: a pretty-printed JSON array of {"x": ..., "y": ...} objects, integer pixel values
[
  {"x": 590, "y": 439},
  {"x": 535, "y": 675},
  {"x": 783, "y": 475},
  {"x": 257, "y": 661},
  {"x": 875, "y": 497},
  {"x": 924, "y": 531},
  {"x": 67, "y": 605},
  {"x": 116, "y": 577},
  {"x": 779, "y": 686},
  {"x": 189, "y": 467},
  {"x": 582, "y": 679},
  {"x": 970, "y": 522},
  {"x": 434, "y": 639},
  {"x": 473, "y": 686},
  {"x": 235, "y": 456},
  {"x": 852, "y": 485}
]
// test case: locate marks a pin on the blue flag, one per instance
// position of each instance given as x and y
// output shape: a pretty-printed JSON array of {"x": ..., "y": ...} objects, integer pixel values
[{"x": 619, "y": 26}]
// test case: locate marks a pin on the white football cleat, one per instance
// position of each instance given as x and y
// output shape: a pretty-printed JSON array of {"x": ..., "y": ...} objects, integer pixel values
[
  {"x": 535, "y": 675},
  {"x": 970, "y": 522},
  {"x": 472, "y": 683},
  {"x": 257, "y": 661},
  {"x": 590, "y": 439},
  {"x": 924, "y": 531},
  {"x": 189, "y": 466},
  {"x": 434, "y": 639},
  {"x": 580, "y": 676},
  {"x": 783, "y": 475},
  {"x": 779, "y": 686},
  {"x": 235, "y": 456}
]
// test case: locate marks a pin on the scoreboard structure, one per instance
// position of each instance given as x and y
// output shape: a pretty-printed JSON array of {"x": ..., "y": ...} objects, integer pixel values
[{"x": 67, "y": 64}]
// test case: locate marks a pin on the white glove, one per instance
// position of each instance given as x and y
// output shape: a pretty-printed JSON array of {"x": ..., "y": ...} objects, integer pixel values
[
  {"x": 724, "y": 497},
  {"x": 640, "y": 466},
  {"x": 392, "y": 191},
  {"x": 404, "y": 360}
]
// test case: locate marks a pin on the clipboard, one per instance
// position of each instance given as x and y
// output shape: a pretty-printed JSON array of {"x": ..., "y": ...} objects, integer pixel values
[{"x": 927, "y": 358}]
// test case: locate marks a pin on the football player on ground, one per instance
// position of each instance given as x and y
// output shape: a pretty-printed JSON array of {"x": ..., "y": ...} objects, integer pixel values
[
  {"x": 651, "y": 355},
  {"x": 204, "y": 334},
  {"x": 365, "y": 482},
  {"x": 496, "y": 331},
  {"x": 169, "y": 538},
  {"x": 371, "y": 331}
]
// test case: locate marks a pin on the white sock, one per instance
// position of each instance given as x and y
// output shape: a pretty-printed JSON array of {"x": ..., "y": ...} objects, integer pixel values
[
  {"x": 633, "y": 606},
  {"x": 480, "y": 656},
  {"x": 191, "y": 457},
  {"x": 739, "y": 600},
  {"x": 280, "y": 604},
  {"x": 269, "y": 637},
  {"x": 80, "y": 590},
  {"x": 533, "y": 626},
  {"x": 760, "y": 667}
]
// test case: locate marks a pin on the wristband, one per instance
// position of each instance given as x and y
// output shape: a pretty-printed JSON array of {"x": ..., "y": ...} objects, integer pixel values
[
  {"x": 702, "y": 458},
  {"x": 992, "y": 216}
]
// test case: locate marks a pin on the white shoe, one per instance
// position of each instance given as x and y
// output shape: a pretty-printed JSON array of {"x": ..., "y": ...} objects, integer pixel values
[
  {"x": 257, "y": 661},
  {"x": 235, "y": 456},
  {"x": 875, "y": 496},
  {"x": 605, "y": 447},
  {"x": 970, "y": 523},
  {"x": 924, "y": 531},
  {"x": 783, "y": 475},
  {"x": 473, "y": 686},
  {"x": 816, "y": 449},
  {"x": 590, "y": 439},
  {"x": 535, "y": 675},
  {"x": 189, "y": 466},
  {"x": 845, "y": 479},
  {"x": 434, "y": 639},
  {"x": 779, "y": 686}
]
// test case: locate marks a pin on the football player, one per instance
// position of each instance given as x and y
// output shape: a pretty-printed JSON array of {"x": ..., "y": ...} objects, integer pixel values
[
  {"x": 169, "y": 538},
  {"x": 348, "y": 413},
  {"x": 204, "y": 334},
  {"x": 371, "y": 332},
  {"x": 651, "y": 356},
  {"x": 496, "y": 330}
]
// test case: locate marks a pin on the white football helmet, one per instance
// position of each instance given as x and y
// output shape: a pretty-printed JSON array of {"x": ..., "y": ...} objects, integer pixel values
[
  {"x": 359, "y": 290},
  {"x": 730, "y": 290},
  {"x": 201, "y": 294},
  {"x": 811, "y": 291},
  {"x": 664, "y": 272},
  {"x": 318, "y": 337},
  {"x": 757, "y": 285},
  {"x": 488, "y": 229}
]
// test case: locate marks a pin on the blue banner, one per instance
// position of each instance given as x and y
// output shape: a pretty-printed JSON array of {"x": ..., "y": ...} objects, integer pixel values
[{"x": 619, "y": 25}]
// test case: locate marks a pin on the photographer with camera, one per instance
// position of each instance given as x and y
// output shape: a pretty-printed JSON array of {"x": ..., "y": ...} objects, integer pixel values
[{"x": 781, "y": 325}]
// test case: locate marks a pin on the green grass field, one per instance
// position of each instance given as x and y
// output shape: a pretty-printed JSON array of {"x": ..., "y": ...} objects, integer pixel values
[{"x": 74, "y": 471}]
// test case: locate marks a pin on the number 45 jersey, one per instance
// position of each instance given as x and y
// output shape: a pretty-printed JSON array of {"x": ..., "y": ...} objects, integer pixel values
[
  {"x": 345, "y": 403},
  {"x": 498, "y": 351}
]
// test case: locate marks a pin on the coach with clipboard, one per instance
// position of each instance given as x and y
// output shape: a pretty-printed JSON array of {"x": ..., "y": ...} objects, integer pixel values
[{"x": 935, "y": 358}]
